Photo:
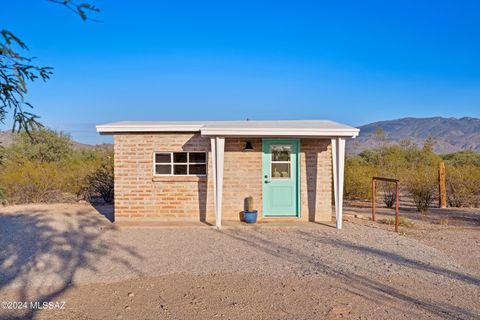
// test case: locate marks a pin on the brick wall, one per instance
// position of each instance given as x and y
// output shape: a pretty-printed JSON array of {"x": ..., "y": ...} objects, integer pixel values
[
  {"x": 316, "y": 180},
  {"x": 242, "y": 176},
  {"x": 140, "y": 195}
]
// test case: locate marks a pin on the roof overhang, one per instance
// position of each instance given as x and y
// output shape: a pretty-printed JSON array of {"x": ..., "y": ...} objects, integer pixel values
[
  {"x": 280, "y": 128},
  {"x": 278, "y": 132},
  {"x": 149, "y": 126}
]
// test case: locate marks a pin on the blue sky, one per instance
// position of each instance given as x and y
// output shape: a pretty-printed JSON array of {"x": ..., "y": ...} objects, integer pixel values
[{"x": 351, "y": 61}]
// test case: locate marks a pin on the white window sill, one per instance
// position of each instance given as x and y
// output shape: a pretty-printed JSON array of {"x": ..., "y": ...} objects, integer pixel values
[{"x": 179, "y": 178}]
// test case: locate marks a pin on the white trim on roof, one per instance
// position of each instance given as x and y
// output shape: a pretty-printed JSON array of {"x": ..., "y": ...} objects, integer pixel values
[
  {"x": 279, "y": 132},
  {"x": 150, "y": 126},
  {"x": 280, "y": 128}
]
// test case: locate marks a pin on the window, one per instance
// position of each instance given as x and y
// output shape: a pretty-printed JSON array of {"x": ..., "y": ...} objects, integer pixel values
[
  {"x": 180, "y": 163},
  {"x": 280, "y": 161}
]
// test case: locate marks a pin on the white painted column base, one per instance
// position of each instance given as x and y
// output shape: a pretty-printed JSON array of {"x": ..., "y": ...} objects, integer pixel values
[
  {"x": 338, "y": 166},
  {"x": 218, "y": 150}
]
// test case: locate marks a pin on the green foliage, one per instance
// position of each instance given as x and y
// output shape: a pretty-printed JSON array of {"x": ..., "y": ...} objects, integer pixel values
[
  {"x": 79, "y": 8},
  {"x": 43, "y": 166},
  {"x": 358, "y": 177},
  {"x": 422, "y": 184},
  {"x": 416, "y": 168},
  {"x": 429, "y": 144},
  {"x": 100, "y": 182},
  {"x": 462, "y": 158},
  {"x": 422, "y": 178},
  {"x": 3, "y": 196},
  {"x": 80, "y": 165},
  {"x": 389, "y": 194},
  {"x": 463, "y": 185},
  {"x": 31, "y": 181},
  {"x": 43, "y": 145},
  {"x": 40, "y": 164},
  {"x": 16, "y": 71}
]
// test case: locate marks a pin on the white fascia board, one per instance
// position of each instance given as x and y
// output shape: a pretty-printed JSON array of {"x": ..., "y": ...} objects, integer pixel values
[
  {"x": 279, "y": 132},
  {"x": 209, "y": 129},
  {"x": 112, "y": 128}
]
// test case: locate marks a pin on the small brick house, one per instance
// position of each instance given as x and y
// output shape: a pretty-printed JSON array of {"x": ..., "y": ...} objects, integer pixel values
[{"x": 204, "y": 170}]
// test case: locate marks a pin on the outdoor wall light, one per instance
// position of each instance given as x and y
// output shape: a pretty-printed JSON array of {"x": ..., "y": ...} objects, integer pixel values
[{"x": 248, "y": 146}]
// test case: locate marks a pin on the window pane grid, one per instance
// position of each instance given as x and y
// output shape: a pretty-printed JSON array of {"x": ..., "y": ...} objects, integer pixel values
[
  {"x": 180, "y": 163},
  {"x": 280, "y": 161}
]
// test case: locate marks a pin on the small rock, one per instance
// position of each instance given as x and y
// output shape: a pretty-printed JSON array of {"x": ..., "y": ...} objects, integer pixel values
[
  {"x": 359, "y": 216},
  {"x": 131, "y": 294},
  {"x": 127, "y": 308}
]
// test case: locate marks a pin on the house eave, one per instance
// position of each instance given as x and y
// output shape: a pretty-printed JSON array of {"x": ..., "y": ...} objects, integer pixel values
[
  {"x": 235, "y": 128},
  {"x": 280, "y": 133},
  {"x": 113, "y": 129}
]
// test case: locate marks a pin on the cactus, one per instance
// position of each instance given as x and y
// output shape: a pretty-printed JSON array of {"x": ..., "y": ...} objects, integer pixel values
[{"x": 249, "y": 203}]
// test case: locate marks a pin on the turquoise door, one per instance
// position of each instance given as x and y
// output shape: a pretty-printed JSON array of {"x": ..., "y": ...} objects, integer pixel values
[{"x": 280, "y": 178}]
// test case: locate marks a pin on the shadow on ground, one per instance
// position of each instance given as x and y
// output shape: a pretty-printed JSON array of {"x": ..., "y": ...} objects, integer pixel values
[
  {"x": 40, "y": 256},
  {"x": 463, "y": 217},
  {"x": 106, "y": 210},
  {"x": 370, "y": 288}
]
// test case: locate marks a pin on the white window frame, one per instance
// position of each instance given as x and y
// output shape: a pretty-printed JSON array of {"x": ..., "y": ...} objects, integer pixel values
[
  {"x": 272, "y": 161},
  {"x": 171, "y": 163}
]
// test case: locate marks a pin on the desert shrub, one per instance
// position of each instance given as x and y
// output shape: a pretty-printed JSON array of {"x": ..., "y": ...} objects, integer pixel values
[
  {"x": 417, "y": 170},
  {"x": 462, "y": 158},
  {"x": 389, "y": 194},
  {"x": 397, "y": 161},
  {"x": 43, "y": 167},
  {"x": 100, "y": 183},
  {"x": 42, "y": 145},
  {"x": 79, "y": 166},
  {"x": 422, "y": 185},
  {"x": 30, "y": 181},
  {"x": 421, "y": 176},
  {"x": 3, "y": 196},
  {"x": 358, "y": 178},
  {"x": 463, "y": 185}
]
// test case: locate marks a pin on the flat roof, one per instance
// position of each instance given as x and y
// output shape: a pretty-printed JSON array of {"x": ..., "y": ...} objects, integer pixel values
[{"x": 257, "y": 128}]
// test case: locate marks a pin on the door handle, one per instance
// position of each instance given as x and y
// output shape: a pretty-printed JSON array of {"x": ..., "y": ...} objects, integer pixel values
[{"x": 266, "y": 179}]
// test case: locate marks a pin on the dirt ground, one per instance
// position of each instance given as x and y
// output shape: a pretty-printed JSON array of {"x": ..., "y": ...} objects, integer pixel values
[{"x": 72, "y": 256}]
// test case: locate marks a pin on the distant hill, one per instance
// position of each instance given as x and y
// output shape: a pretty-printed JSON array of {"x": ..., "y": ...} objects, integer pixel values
[
  {"x": 6, "y": 138},
  {"x": 450, "y": 134}
]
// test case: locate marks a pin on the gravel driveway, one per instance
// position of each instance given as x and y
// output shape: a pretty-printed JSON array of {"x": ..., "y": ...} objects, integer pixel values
[{"x": 49, "y": 250}]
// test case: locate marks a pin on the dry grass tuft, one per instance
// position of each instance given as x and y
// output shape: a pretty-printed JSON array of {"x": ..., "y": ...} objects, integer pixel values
[{"x": 402, "y": 221}]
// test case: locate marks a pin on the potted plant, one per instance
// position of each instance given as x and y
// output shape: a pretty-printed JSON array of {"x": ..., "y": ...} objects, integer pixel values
[{"x": 249, "y": 215}]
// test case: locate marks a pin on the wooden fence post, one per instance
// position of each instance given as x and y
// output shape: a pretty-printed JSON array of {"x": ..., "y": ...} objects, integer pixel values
[
  {"x": 442, "y": 190},
  {"x": 374, "y": 193}
]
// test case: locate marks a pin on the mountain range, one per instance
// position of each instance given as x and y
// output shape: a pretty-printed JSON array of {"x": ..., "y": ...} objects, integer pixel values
[
  {"x": 7, "y": 137},
  {"x": 449, "y": 134}
]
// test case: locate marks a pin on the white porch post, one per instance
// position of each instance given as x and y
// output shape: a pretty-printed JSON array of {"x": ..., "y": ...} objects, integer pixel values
[
  {"x": 338, "y": 165},
  {"x": 218, "y": 148}
]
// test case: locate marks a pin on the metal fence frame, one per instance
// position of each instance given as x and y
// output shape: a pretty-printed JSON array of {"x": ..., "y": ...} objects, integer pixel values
[{"x": 374, "y": 197}]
